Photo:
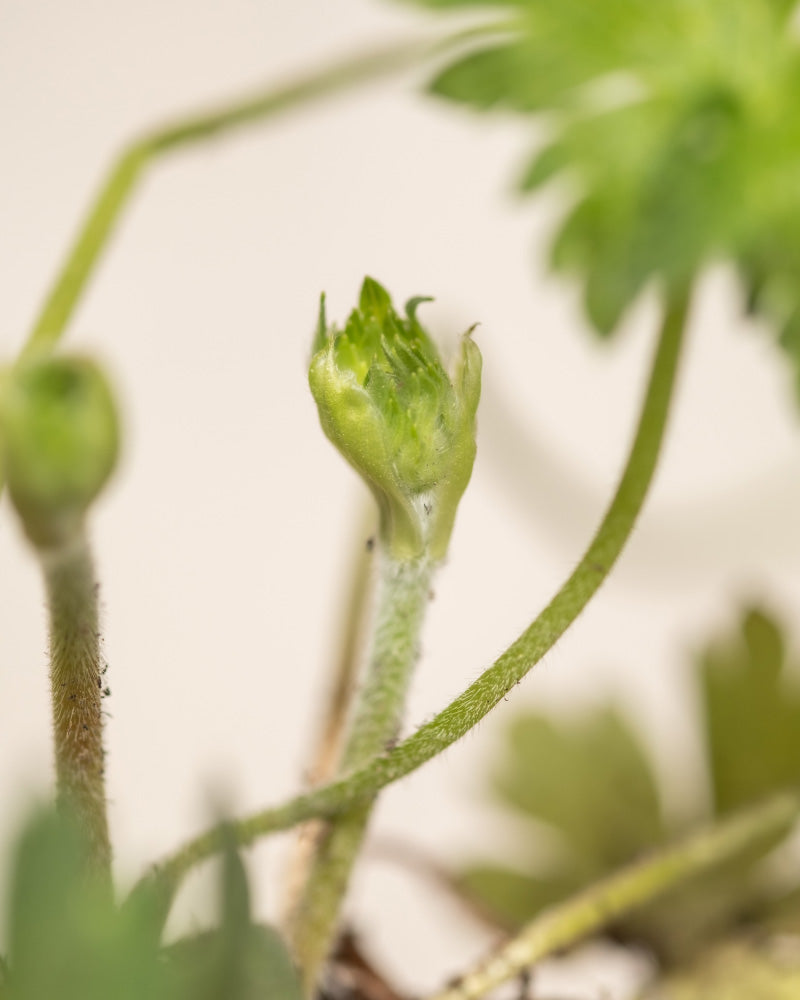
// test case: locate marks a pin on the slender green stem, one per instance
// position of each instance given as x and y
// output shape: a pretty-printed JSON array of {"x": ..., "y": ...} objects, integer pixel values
[
  {"x": 76, "y": 686},
  {"x": 354, "y": 618},
  {"x": 328, "y": 748},
  {"x": 604, "y": 902},
  {"x": 104, "y": 213},
  {"x": 401, "y": 601},
  {"x": 481, "y": 696}
]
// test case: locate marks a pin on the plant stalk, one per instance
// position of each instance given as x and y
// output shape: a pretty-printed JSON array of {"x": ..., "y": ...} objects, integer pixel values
[
  {"x": 567, "y": 923},
  {"x": 402, "y": 598},
  {"x": 76, "y": 680},
  {"x": 105, "y": 211},
  {"x": 493, "y": 685},
  {"x": 332, "y": 730}
]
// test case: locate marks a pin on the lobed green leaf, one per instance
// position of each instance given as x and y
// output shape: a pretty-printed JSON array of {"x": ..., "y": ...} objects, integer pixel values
[
  {"x": 676, "y": 125},
  {"x": 590, "y": 783}
]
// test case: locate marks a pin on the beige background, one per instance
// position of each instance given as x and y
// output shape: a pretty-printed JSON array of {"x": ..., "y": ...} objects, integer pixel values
[{"x": 223, "y": 539}]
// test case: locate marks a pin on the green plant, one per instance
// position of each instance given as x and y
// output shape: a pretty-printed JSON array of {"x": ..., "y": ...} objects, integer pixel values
[{"x": 674, "y": 126}]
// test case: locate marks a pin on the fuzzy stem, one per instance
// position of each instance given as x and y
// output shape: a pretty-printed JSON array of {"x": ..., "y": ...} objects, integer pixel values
[
  {"x": 567, "y": 923},
  {"x": 332, "y": 730},
  {"x": 494, "y": 683},
  {"x": 76, "y": 686},
  {"x": 401, "y": 601},
  {"x": 114, "y": 195}
]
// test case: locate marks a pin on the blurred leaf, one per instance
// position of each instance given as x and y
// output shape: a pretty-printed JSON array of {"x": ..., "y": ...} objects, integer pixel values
[
  {"x": 202, "y": 969},
  {"x": 510, "y": 897},
  {"x": 69, "y": 941},
  {"x": 66, "y": 938},
  {"x": 239, "y": 960},
  {"x": 734, "y": 971},
  {"x": 752, "y": 714},
  {"x": 589, "y": 780},
  {"x": 676, "y": 125}
]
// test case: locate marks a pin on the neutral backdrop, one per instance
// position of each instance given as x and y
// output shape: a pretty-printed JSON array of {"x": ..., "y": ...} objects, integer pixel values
[{"x": 224, "y": 540}]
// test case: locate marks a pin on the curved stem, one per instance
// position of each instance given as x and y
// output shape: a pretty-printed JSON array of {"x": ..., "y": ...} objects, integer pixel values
[
  {"x": 115, "y": 193},
  {"x": 481, "y": 696},
  {"x": 401, "y": 602},
  {"x": 76, "y": 685},
  {"x": 604, "y": 902}
]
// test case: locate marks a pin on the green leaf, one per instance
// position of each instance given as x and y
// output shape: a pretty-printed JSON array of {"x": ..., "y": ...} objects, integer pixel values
[
  {"x": 589, "y": 780},
  {"x": 263, "y": 969},
  {"x": 752, "y": 713},
  {"x": 736, "y": 970},
  {"x": 511, "y": 897},
  {"x": 239, "y": 960},
  {"x": 66, "y": 938},
  {"x": 676, "y": 122}
]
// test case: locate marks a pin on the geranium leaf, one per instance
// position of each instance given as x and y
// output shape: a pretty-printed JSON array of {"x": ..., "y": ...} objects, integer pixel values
[
  {"x": 676, "y": 122},
  {"x": 66, "y": 937},
  {"x": 752, "y": 713},
  {"x": 238, "y": 960},
  {"x": 596, "y": 791}
]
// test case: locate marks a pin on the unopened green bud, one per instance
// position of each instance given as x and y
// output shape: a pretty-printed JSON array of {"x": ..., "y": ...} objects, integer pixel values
[
  {"x": 59, "y": 437},
  {"x": 408, "y": 428}
]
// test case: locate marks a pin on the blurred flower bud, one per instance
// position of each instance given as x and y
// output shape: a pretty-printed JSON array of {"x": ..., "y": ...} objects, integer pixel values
[
  {"x": 391, "y": 409},
  {"x": 59, "y": 440}
]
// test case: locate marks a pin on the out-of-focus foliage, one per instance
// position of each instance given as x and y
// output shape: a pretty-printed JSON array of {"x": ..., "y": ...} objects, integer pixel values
[
  {"x": 550, "y": 773},
  {"x": 588, "y": 781},
  {"x": 239, "y": 960},
  {"x": 751, "y": 700},
  {"x": 737, "y": 970},
  {"x": 69, "y": 940},
  {"x": 66, "y": 937},
  {"x": 675, "y": 127}
]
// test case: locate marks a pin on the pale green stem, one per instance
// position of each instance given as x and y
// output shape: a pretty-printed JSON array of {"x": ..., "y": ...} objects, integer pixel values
[
  {"x": 76, "y": 684},
  {"x": 354, "y": 619},
  {"x": 482, "y": 695},
  {"x": 114, "y": 195},
  {"x": 106, "y": 209},
  {"x": 603, "y": 903},
  {"x": 328, "y": 749},
  {"x": 401, "y": 601}
]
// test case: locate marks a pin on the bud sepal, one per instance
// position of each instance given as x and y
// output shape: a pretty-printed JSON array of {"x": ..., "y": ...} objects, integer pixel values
[{"x": 387, "y": 403}]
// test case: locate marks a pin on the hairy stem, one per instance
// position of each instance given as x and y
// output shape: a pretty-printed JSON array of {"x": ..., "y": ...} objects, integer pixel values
[
  {"x": 604, "y": 902},
  {"x": 484, "y": 693},
  {"x": 328, "y": 748},
  {"x": 401, "y": 602},
  {"x": 104, "y": 213},
  {"x": 76, "y": 685},
  {"x": 332, "y": 732}
]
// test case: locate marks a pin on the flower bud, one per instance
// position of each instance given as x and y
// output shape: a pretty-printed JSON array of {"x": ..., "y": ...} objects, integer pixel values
[
  {"x": 389, "y": 406},
  {"x": 59, "y": 440}
]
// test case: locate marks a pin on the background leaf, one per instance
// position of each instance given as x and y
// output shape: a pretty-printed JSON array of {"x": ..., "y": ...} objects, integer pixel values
[
  {"x": 239, "y": 960},
  {"x": 676, "y": 125},
  {"x": 550, "y": 773},
  {"x": 67, "y": 939},
  {"x": 737, "y": 970},
  {"x": 589, "y": 781},
  {"x": 752, "y": 714}
]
